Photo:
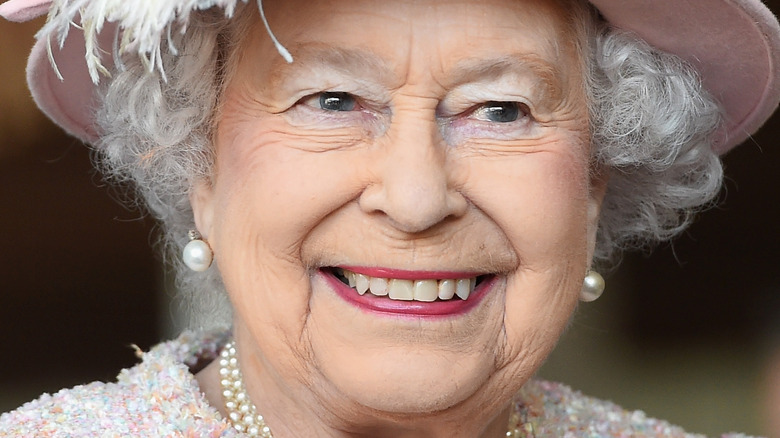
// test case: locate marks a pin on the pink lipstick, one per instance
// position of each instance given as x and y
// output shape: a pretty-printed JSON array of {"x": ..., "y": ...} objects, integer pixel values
[{"x": 382, "y": 304}]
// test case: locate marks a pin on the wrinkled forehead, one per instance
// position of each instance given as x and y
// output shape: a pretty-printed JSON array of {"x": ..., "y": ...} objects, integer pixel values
[
  {"x": 340, "y": 15},
  {"x": 380, "y": 35}
]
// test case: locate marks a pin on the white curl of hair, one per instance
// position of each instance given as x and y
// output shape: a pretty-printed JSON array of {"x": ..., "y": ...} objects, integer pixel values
[{"x": 651, "y": 128}]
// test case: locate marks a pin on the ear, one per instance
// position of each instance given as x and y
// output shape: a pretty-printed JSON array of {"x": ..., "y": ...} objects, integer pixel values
[
  {"x": 202, "y": 202},
  {"x": 598, "y": 188}
]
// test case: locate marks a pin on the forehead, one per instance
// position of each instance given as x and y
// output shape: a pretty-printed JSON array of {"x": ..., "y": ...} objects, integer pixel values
[
  {"x": 344, "y": 16},
  {"x": 395, "y": 37}
]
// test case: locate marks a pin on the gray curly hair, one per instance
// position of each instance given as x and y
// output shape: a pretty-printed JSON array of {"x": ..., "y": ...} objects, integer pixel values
[{"x": 651, "y": 128}]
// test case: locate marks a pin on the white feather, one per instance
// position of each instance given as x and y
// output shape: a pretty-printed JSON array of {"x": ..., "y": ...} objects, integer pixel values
[{"x": 143, "y": 24}]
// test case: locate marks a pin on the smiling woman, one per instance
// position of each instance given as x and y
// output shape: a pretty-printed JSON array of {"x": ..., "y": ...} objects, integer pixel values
[
  {"x": 424, "y": 178},
  {"x": 403, "y": 215}
]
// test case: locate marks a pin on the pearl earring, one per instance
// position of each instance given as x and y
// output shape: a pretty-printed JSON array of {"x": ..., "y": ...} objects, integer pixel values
[
  {"x": 197, "y": 254},
  {"x": 592, "y": 287}
]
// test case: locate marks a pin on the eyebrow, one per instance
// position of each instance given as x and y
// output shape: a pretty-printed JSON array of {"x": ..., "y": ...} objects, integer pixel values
[
  {"x": 353, "y": 62},
  {"x": 485, "y": 69},
  {"x": 365, "y": 65}
]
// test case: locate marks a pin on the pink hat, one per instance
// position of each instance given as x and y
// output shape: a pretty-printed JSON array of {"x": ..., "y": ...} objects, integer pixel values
[{"x": 734, "y": 44}]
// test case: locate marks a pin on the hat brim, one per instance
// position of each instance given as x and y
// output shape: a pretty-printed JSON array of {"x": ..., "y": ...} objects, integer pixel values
[
  {"x": 71, "y": 101},
  {"x": 734, "y": 45}
]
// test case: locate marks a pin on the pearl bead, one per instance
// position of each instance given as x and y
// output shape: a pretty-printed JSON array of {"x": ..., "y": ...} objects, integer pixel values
[
  {"x": 592, "y": 287},
  {"x": 241, "y": 412},
  {"x": 197, "y": 255}
]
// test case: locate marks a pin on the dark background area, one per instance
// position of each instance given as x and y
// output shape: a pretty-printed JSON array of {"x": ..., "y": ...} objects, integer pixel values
[{"x": 81, "y": 283}]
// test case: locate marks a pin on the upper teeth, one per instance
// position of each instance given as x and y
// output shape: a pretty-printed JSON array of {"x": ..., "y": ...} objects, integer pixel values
[{"x": 417, "y": 290}]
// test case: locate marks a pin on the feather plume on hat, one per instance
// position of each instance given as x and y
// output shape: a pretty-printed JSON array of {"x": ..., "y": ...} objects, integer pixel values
[
  {"x": 143, "y": 24},
  {"x": 142, "y": 27}
]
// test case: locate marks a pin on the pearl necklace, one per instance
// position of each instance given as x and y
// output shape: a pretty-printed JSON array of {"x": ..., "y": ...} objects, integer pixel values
[{"x": 242, "y": 413}]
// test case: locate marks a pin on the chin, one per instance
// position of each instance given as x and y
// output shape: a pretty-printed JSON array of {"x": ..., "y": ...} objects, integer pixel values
[
  {"x": 399, "y": 364},
  {"x": 399, "y": 381}
]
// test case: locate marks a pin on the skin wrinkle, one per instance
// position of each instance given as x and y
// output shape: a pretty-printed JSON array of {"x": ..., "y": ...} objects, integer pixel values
[
  {"x": 309, "y": 121},
  {"x": 432, "y": 242},
  {"x": 516, "y": 66},
  {"x": 247, "y": 105},
  {"x": 285, "y": 138},
  {"x": 643, "y": 206},
  {"x": 314, "y": 358},
  {"x": 318, "y": 58},
  {"x": 363, "y": 62}
]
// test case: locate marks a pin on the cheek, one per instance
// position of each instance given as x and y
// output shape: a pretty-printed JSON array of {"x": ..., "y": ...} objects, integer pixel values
[
  {"x": 283, "y": 184},
  {"x": 270, "y": 192},
  {"x": 539, "y": 200}
]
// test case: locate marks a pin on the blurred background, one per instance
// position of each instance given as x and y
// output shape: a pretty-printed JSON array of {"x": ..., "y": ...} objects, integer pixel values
[{"x": 689, "y": 333}]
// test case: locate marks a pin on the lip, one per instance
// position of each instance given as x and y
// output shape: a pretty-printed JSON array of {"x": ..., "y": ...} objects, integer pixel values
[{"x": 383, "y": 305}]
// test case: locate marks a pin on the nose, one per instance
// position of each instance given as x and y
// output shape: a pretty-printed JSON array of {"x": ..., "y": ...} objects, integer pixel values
[{"x": 413, "y": 186}]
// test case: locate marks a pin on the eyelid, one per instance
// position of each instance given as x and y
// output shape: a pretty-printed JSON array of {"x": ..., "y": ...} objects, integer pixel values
[
  {"x": 306, "y": 100},
  {"x": 468, "y": 109},
  {"x": 467, "y": 96},
  {"x": 522, "y": 107},
  {"x": 307, "y": 83},
  {"x": 364, "y": 101}
]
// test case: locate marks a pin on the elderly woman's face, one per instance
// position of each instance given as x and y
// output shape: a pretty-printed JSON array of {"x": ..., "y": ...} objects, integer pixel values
[{"x": 417, "y": 149}]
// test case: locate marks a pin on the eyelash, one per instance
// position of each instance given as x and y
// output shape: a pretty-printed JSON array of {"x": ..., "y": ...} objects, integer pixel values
[
  {"x": 516, "y": 111},
  {"x": 474, "y": 122},
  {"x": 331, "y": 95}
]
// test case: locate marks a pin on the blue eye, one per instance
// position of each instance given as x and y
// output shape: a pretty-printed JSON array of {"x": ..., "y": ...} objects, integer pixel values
[
  {"x": 500, "y": 112},
  {"x": 337, "y": 101}
]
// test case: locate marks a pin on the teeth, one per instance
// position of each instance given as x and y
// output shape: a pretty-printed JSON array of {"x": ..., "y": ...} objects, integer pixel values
[
  {"x": 401, "y": 290},
  {"x": 378, "y": 286},
  {"x": 407, "y": 290},
  {"x": 426, "y": 290},
  {"x": 446, "y": 289},
  {"x": 463, "y": 288},
  {"x": 361, "y": 283}
]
